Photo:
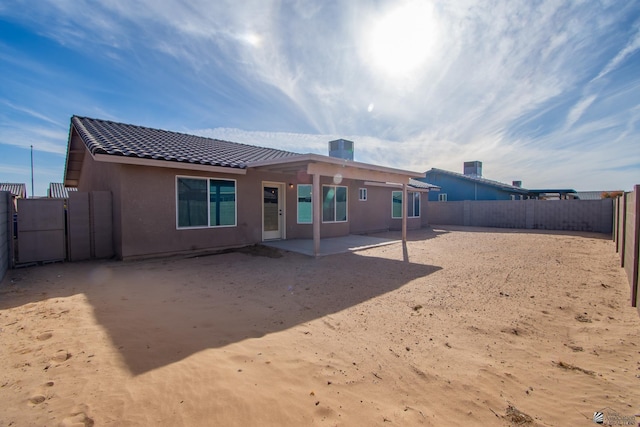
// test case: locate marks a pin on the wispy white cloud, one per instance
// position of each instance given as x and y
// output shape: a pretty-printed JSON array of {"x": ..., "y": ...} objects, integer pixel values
[
  {"x": 42, "y": 139},
  {"x": 25, "y": 171},
  {"x": 629, "y": 49},
  {"x": 29, "y": 112},
  {"x": 327, "y": 70},
  {"x": 578, "y": 110},
  {"x": 11, "y": 169}
]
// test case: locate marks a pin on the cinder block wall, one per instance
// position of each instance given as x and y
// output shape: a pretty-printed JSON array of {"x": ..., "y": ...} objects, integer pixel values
[
  {"x": 575, "y": 215},
  {"x": 627, "y": 237},
  {"x": 445, "y": 213},
  {"x": 502, "y": 214},
  {"x": 630, "y": 258}
]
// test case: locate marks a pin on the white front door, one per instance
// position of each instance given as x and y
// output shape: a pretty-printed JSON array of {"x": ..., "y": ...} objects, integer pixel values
[{"x": 273, "y": 210}]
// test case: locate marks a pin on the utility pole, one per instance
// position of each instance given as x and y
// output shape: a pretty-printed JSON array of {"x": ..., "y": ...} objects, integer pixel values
[{"x": 32, "y": 171}]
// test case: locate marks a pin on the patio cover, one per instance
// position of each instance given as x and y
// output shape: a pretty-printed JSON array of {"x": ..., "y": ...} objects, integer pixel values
[{"x": 317, "y": 166}]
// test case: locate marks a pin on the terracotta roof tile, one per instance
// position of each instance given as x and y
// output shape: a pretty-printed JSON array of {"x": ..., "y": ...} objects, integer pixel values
[{"x": 118, "y": 139}]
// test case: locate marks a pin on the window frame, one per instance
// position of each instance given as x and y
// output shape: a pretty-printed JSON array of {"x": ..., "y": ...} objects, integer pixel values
[
  {"x": 411, "y": 195},
  {"x": 208, "y": 202},
  {"x": 362, "y": 194},
  {"x": 298, "y": 203},
  {"x": 415, "y": 199},
  {"x": 393, "y": 197},
  {"x": 442, "y": 197},
  {"x": 335, "y": 205}
]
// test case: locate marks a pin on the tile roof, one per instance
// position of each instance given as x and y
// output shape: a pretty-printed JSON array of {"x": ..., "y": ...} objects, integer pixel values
[
  {"x": 596, "y": 195},
  {"x": 422, "y": 184},
  {"x": 589, "y": 195},
  {"x": 118, "y": 139},
  {"x": 18, "y": 190},
  {"x": 57, "y": 190},
  {"x": 477, "y": 179}
]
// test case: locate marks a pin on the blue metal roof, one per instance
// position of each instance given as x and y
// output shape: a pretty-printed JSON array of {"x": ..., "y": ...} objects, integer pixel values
[{"x": 480, "y": 180}]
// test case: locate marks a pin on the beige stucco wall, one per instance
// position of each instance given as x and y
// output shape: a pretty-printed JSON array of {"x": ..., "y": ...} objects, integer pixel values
[
  {"x": 99, "y": 176},
  {"x": 374, "y": 214},
  {"x": 144, "y": 209}
]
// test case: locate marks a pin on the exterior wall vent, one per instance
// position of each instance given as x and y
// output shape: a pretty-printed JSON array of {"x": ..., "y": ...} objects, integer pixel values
[
  {"x": 341, "y": 148},
  {"x": 473, "y": 169}
]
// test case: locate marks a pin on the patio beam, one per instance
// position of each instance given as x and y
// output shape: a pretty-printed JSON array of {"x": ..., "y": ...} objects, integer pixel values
[{"x": 349, "y": 172}]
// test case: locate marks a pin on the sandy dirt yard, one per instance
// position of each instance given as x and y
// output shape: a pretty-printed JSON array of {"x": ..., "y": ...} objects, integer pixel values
[{"x": 464, "y": 326}]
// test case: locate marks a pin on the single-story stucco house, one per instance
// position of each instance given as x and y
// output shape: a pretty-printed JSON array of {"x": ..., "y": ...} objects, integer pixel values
[
  {"x": 471, "y": 185},
  {"x": 175, "y": 193}
]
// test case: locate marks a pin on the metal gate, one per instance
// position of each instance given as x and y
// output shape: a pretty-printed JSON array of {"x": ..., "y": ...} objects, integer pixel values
[{"x": 41, "y": 230}]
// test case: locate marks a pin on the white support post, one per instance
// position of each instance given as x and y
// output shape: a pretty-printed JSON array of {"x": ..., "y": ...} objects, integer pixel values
[
  {"x": 404, "y": 213},
  {"x": 316, "y": 208}
]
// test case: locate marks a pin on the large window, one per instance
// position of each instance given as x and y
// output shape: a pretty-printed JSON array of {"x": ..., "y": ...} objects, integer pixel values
[
  {"x": 305, "y": 207},
  {"x": 206, "y": 202},
  {"x": 413, "y": 209},
  {"x": 334, "y": 203},
  {"x": 396, "y": 204},
  {"x": 192, "y": 202},
  {"x": 413, "y": 205}
]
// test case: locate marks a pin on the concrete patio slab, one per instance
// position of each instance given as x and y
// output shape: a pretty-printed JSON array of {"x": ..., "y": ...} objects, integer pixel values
[{"x": 330, "y": 246}]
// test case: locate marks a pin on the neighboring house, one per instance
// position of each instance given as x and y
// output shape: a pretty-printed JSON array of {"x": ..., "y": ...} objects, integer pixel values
[
  {"x": 590, "y": 195},
  {"x": 554, "y": 194},
  {"x": 18, "y": 191},
  {"x": 57, "y": 190},
  {"x": 598, "y": 195},
  {"x": 176, "y": 193},
  {"x": 470, "y": 185}
]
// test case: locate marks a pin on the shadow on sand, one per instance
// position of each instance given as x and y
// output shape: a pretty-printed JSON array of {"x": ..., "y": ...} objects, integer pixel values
[
  {"x": 161, "y": 311},
  {"x": 414, "y": 235},
  {"x": 440, "y": 229}
]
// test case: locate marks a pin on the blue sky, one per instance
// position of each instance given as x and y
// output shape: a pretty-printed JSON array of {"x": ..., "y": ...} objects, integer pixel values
[{"x": 547, "y": 92}]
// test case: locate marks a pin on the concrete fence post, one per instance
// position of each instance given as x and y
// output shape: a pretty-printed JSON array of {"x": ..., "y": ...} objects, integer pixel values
[
  {"x": 606, "y": 216},
  {"x": 616, "y": 222},
  {"x": 623, "y": 230},
  {"x": 6, "y": 234},
  {"x": 635, "y": 247}
]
